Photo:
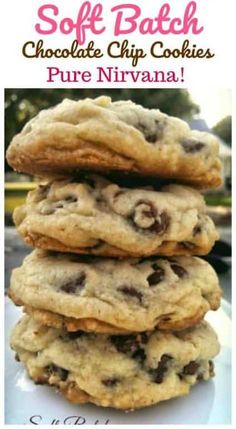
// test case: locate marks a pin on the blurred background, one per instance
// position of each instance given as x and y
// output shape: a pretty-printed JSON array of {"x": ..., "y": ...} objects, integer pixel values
[{"x": 204, "y": 109}]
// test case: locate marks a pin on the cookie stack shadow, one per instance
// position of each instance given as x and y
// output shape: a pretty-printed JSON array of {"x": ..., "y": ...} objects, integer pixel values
[{"x": 115, "y": 292}]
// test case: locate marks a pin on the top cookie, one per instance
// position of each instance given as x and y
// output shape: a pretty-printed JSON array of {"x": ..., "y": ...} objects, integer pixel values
[{"x": 122, "y": 136}]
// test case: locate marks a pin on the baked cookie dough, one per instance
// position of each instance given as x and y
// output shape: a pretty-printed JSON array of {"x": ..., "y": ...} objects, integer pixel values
[
  {"x": 124, "y": 372},
  {"x": 111, "y": 296},
  {"x": 95, "y": 216},
  {"x": 102, "y": 135}
]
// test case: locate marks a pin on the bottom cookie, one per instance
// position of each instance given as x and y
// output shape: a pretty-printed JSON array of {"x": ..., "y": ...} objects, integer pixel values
[{"x": 124, "y": 372}]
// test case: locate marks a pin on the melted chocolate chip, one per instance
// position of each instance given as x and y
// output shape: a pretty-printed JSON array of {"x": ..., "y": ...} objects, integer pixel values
[
  {"x": 61, "y": 372},
  {"x": 124, "y": 343},
  {"x": 59, "y": 205},
  {"x": 144, "y": 209},
  {"x": 147, "y": 210},
  {"x": 152, "y": 135},
  {"x": 131, "y": 291},
  {"x": 74, "y": 285},
  {"x": 156, "y": 277},
  {"x": 110, "y": 382},
  {"x": 197, "y": 230},
  {"x": 192, "y": 146},
  {"x": 187, "y": 245},
  {"x": 211, "y": 368},
  {"x": 160, "y": 225},
  {"x": 149, "y": 136},
  {"x": 17, "y": 357},
  {"x": 191, "y": 368},
  {"x": 139, "y": 355},
  {"x": 150, "y": 211},
  {"x": 178, "y": 270},
  {"x": 158, "y": 373}
]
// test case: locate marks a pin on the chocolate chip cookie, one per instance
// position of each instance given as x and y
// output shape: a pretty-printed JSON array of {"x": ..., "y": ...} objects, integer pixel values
[
  {"x": 115, "y": 296},
  {"x": 92, "y": 215},
  {"x": 97, "y": 134},
  {"x": 125, "y": 372}
]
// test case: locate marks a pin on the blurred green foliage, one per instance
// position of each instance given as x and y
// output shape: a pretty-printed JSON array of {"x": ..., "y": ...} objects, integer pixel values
[
  {"x": 223, "y": 129},
  {"x": 23, "y": 104}
]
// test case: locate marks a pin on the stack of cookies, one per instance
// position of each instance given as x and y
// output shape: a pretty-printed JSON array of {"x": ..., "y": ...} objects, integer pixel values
[{"x": 114, "y": 293}]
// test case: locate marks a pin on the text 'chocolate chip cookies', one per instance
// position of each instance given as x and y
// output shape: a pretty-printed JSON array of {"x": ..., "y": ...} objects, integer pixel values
[{"x": 114, "y": 295}]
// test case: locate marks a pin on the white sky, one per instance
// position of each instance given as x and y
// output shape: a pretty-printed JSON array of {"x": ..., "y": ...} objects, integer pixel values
[{"x": 214, "y": 104}]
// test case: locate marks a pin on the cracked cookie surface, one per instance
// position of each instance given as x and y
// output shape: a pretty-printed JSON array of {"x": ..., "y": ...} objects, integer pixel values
[
  {"x": 125, "y": 372},
  {"x": 108, "y": 295},
  {"x": 102, "y": 135},
  {"x": 94, "y": 215}
]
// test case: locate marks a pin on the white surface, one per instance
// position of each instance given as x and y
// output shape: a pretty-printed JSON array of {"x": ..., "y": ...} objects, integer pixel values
[{"x": 208, "y": 403}]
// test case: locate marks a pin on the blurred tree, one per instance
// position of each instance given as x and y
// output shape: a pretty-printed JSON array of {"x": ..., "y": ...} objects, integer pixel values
[
  {"x": 23, "y": 104},
  {"x": 223, "y": 129}
]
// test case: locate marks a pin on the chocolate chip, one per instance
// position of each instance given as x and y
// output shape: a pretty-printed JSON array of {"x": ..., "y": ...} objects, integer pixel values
[
  {"x": 156, "y": 277},
  {"x": 199, "y": 377},
  {"x": 211, "y": 368},
  {"x": 196, "y": 230},
  {"x": 124, "y": 343},
  {"x": 139, "y": 355},
  {"x": 149, "y": 212},
  {"x": 63, "y": 374},
  {"x": 59, "y": 205},
  {"x": 152, "y": 135},
  {"x": 71, "y": 199},
  {"x": 192, "y": 146},
  {"x": 178, "y": 270},
  {"x": 146, "y": 216},
  {"x": 160, "y": 225},
  {"x": 110, "y": 382},
  {"x": 131, "y": 291},
  {"x": 191, "y": 368},
  {"x": 74, "y": 285},
  {"x": 17, "y": 357},
  {"x": 187, "y": 245},
  {"x": 158, "y": 373},
  {"x": 54, "y": 369}
]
